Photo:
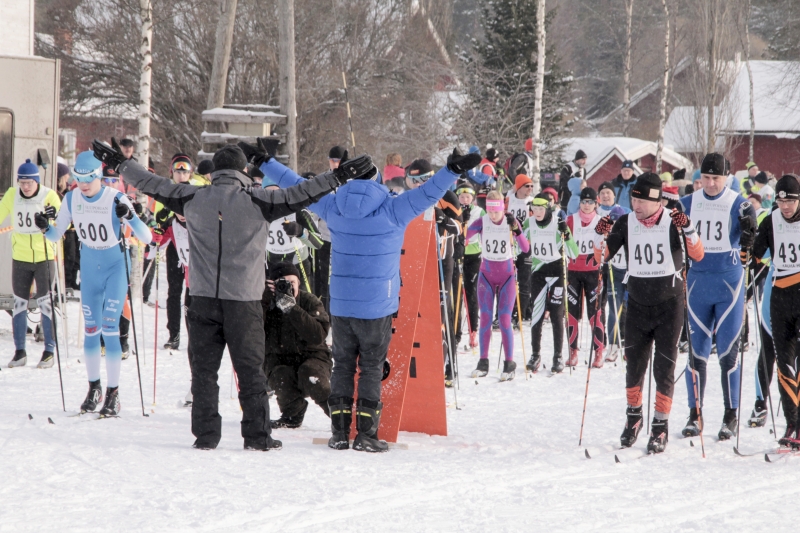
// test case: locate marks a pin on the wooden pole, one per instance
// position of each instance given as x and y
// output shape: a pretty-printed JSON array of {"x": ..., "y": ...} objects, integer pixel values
[
  {"x": 286, "y": 78},
  {"x": 222, "y": 54}
]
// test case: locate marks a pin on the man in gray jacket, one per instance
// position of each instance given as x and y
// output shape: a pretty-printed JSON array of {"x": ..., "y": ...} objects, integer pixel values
[{"x": 227, "y": 224}]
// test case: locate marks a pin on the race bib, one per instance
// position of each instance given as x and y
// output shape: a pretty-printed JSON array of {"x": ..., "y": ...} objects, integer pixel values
[
  {"x": 585, "y": 237},
  {"x": 787, "y": 244},
  {"x": 649, "y": 249},
  {"x": 544, "y": 244},
  {"x": 93, "y": 221},
  {"x": 712, "y": 219},
  {"x": 519, "y": 208},
  {"x": 278, "y": 242},
  {"x": 26, "y": 208},
  {"x": 496, "y": 241}
]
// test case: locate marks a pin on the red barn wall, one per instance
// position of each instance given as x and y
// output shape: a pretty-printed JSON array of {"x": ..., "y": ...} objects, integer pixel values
[{"x": 778, "y": 156}]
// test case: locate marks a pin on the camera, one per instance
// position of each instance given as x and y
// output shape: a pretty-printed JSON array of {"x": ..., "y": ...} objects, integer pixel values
[{"x": 284, "y": 286}]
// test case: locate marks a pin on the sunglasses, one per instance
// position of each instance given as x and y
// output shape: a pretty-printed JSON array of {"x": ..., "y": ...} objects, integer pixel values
[
  {"x": 588, "y": 202},
  {"x": 529, "y": 186}
]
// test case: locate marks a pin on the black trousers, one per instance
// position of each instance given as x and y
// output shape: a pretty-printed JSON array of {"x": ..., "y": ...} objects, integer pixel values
[
  {"x": 645, "y": 326},
  {"x": 293, "y": 383},
  {"x": 363, "y": 343},
  {"x": 214, "y": 324},
  {"x": 785, "y": 317},
  {"x": 548, "y": 295},
  {"x": 472, "y": 267},
  {"x": 523, "y": 264},
  {"x": 448, "y": 267},
  {"x": 175, "y": 282},
  {"x": 322, "y": 268},
  {"x": 147, "y": 282},
  {"x": 584, "y": 285},
  {"x": 72, "y": 259}
]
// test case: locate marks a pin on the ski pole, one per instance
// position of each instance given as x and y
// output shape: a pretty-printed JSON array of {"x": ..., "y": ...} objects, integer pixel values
[
  {"x": 616, "y": 336},
  {"x": 649, "y": 389},
  {"x": 591, "y": 338},
  {"x": 457, "y": 314},
  {"x": 61, "y": 293},
  {"x": 697, "y": 400},
  {"x": 519, "y": 314},
  {"x": 155, "y": 329},
  {"x": 124, "y": 250},
  {"x": 741, "y": 347},
  {"x": 469, "y": 320},
  {"x": 300, "y": 261},
  {"x": 443, "y": 299},
  {"x": 566, "y": 289},
  {"x": 763, "y": 354},
  {"x": 53, "y": 321}
]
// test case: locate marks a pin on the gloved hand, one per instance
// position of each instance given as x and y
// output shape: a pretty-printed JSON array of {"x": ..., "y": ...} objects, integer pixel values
[
  {"x": 137, "y": 207},
  {"x": 360, "y": 167},
  {"x": 440, "y": 216},
  {"x": 158, "y": 235},
  {"x": 50, "y": 212},
  {"x": 285, "y": 302},
  {"x": 562, "y": 226},
  {"x": 680, "y": 220},
  {"x": 41, "y": 221},
  {"x": 110, "y": 156},
  {"x": 604, "y": 226},
  {"x": 261, "y": 153},
  {"x": 293, "y": 229},
  {"x": 123, "y": 211},
  {"x": 458, "y": 250},
  {"x": 458, "y": 162},
  {"x": 465, "y": 211},
  {"x": 513, "y": 223},
  {"x": 747, "y": 239},
  {"x": 162, "y": 216}
]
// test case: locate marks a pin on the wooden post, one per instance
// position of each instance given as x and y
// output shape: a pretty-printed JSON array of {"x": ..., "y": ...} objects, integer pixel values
[
  {"x": 222, "y": 53},
  {"x": 286, "y": 78},
  {"x": 626, "y": 73}
]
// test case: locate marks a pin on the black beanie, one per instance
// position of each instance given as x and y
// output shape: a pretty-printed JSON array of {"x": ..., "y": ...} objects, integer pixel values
[
  {"x": 788, "y": 187},
  {"x": 714, "y": 164},
  {"x": 254, "y": 172},
  {"x": 587, "y": 193},
  {"x": 229, "y": 157},
  {"x": 580, "y": 154},
  {"x": 647, "y": 187},
  {"x": 607, "y": 185},
  {"x": 491, "y": 154},
  {"x": 205, "y": 167},
  {"x": 337, "y": 152},
  {"x": 282, "y": 270},
  {"x": 761, "y": 177},
  {"x": 419, "y": 167}
]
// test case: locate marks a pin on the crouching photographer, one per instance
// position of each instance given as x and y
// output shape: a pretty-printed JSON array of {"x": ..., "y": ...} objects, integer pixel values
[{"x": 297, "y": 362}]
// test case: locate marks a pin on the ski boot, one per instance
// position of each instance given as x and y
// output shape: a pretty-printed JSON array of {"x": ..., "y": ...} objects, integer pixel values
[
  {"x": 789, "y": 439},
  {"x": 341, "y": 410},
  {"x": 598, "y": 358},
  {"x": 534, "y": 363},
  {"x": 659, "y": 435},
  {"x": 368, "y": 421},
  {"x": 38, "y": 335},
  {"x": 683, "y": 346},
  {"x": 262, "y": 445},
  {"x": 693, "y": 427},
  {"x": 633, "y": 426},
  {"x": 173, "y": 343},
  {"x": 290, "y": 422},
  {"x": 495, "y": 325},
  {"x": 111, "y": 407},
  {"x": 46, "y": 361},
  {"x": 613, "y": 353},
  {"x": 482, "y": 368},
  {"x": 509, "y": 368},
  {"x": 20, "y": 359},
  {"x": 188, "y": 399},
  {"x": 558, "y": 365},
  {"x": 448, "y": 375},
  {"x": 473, "y": 339},
  {"x": 93, "y": 397},
  {"x": 573, "y": 357},
  {"x": 759, "y": 416},
  {"x": 729, "y": 422},
  {"x": 126, "y": 349}
]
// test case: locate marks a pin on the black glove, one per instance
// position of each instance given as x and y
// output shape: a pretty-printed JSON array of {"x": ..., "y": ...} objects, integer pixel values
[
  {"x": 360, "y": 167},
  {"x": 123, "y": 211},
  {"x": 138, "y": 208},
  {"x": 440, "y": 216},
  {"x": 293, "y": 229},
  {"x": 458, "y": 250},
  {"x": 285, "y": 302},
  {"x": 41, "y": 221},
  {"x": 604, "y": 225},
  {"x": 458, "y": 162},
  {"x": 562, "y": 226},
  {"x": 747, "y": 224},
  {"x": 465, "y": 211},
  {"x": 110, "y": 156},
  {"x": 50, "y": 212},
  {"x": 513, "y": 224},
  {"x": 680, "y": 220},
  {"x": 747, "y": 239}
]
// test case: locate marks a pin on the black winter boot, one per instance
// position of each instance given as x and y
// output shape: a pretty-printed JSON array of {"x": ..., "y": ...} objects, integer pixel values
[
  {"x": 173, "y": 343},
  {"x": 93, "y": 397},
  {"x": 290, "y": 422},
  {"x": 341, "y": 412},
  {"x": 260, "y": 445},
  {"x": 368, "y": 421},
  {"x": 633, "y": 426},
  {"x": 111, "y": 407}
]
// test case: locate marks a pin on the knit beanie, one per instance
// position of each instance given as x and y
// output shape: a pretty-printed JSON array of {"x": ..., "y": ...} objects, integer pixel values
[
  {"x": 520, "y": 181},
  {"x": 28, "y": 171},
  {"x": 205, "y": 167},
  {"x": 788, "y": 188},
  {"x": 587, "y": 193},
  {"x": 282, "y": 270},
  {"x": 337, "y": 152},
  {"x": 229, "y": 157},
  {"x": 647, "y": 187},
  {"x": 714, "y": 164}
]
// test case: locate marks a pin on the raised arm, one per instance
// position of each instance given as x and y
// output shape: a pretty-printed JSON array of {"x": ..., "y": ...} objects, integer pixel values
[
  {"x": 173, "y": 195},
  {"x": 277, "y": 203}
]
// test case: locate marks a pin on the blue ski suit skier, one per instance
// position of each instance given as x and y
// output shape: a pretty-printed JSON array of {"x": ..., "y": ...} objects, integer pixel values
[
  {"x": 367, "y": 226},
  {"x": 726, "y": 223},
  {"x": 98, "y": 213}
]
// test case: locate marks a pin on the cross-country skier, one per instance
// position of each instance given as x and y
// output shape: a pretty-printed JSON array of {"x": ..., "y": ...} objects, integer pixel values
[
  {"x": 367, "y": 225},
  {"x": 518, "y": 203},
  {"x": 497, "y": 279},
  {"x": 98, "y": 212},
  {"x": 29, "y": 260},
  {"x": 582, "y": 279},
  {"x": 651, "y": 237},
  {"x": 726, "y": 223},
  {"x": 780, "y": 235},
  {"x": 470, "y": 212},
  {"x": 547, "y": 232}
]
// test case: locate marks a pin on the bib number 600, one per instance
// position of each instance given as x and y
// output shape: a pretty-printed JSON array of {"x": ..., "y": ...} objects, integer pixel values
[{"x": 93, "y": 232}]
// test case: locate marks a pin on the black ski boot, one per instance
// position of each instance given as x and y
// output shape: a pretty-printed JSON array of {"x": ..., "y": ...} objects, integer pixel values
[
  {"x": 509, "y": 369},
  {"x": 47, "y": 360},
  {"x": 659, "y": 435},
  {"x": 789, "y": 438},
  {"x": 173, "y": 343},
  {"x": 448, "y": 374},
  {"x": 368, "y": 421},
  {"x": 693, "y": 427},
  {"x": 482, "y": 369},
  {"x": 759, "y": 415},
  {"x": 558, "y": 365},
  {"x": 534, "y": 362},
  {"x": 93, "y": 397},
  {"x": 290, "y": 422},
  {"x": 263, "y": 445},
  {"x": 632, "y": 426},
  {"x": 341, "y": 410},
  {"x": 729, "y": 423},
  {"x": 111, "y": 407},
  {"x": 20, "y": 359},
  {"x": 126, "y": 349}
]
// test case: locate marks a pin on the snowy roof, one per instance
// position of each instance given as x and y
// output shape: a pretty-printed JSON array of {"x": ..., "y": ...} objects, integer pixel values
[{"x": 600, "y": 149}]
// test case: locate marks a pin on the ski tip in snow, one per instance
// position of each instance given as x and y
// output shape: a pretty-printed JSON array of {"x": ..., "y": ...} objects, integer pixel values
[
  {"x": 616, "y": 459},
  {"x": 50, "y": 420},
  {"x": 30, "y": 417},
  {"x": 766, "y": 458},
  {"x": 586, "y": 453},
  {"x": 691, "y": 443}
]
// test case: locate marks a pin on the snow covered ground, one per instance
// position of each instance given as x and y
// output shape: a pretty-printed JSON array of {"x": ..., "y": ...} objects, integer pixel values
[{"x": 511, "y": 461}]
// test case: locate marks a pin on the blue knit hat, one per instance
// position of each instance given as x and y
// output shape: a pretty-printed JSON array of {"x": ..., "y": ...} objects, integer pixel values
[
  {"x": 28, "y": 171},
  {"x": 87, "y": 167}
]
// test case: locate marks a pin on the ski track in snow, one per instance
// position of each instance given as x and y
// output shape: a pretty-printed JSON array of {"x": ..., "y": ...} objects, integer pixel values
[{"x": 511, "y": 461}]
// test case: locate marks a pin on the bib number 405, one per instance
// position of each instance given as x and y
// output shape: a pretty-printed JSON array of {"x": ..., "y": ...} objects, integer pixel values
[{"x": 648, "y": 254}]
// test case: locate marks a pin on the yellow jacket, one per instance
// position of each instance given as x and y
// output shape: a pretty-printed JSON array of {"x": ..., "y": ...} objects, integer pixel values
[{"x": 27, "y": 247}]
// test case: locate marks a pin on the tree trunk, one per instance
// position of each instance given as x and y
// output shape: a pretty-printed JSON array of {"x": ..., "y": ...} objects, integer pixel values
[
  {"x": 541, "y": 44},
  {"x": 145, "y": 86},
  {"x": 664, "y": 89},
  {"x": 222, "y": 53},
  {"x": 750, "y": 78},
  {"x": 626, "y": 74},
  {"x": 287, "y": 76},
  {"x": 711, "y": 129}
]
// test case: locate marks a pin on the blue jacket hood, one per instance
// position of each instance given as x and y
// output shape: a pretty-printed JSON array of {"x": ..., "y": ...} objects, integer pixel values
[{"x": 360, "y": 198}]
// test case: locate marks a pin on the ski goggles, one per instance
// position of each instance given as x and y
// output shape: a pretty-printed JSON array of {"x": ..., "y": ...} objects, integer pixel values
[
  {"x": 495, "y": 205},
  {"x": 84, "y": 177},
  {"x": 420, "y": 178},
  {"x": 465, "y": 190},
  {"x": 181, "y": 166},
  {"x": 540, "y": 203}
]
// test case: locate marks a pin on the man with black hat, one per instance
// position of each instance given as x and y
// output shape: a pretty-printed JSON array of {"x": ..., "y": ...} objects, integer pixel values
[
  {"x": 623, "y": 184},
  {"x": 726, "y": 223},
  {"x": 573, "y": 169},
  {"x": 582, "y": 282},
  {"x": 651, "y": 238},
  {"x": 298, "y": 361},
  {"x": 227, "y": 224},
  {"x": 779, "y": 233}
]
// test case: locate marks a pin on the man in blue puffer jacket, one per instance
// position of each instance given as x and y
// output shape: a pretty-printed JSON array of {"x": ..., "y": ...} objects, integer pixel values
[{"x": 367, "y": 226}]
